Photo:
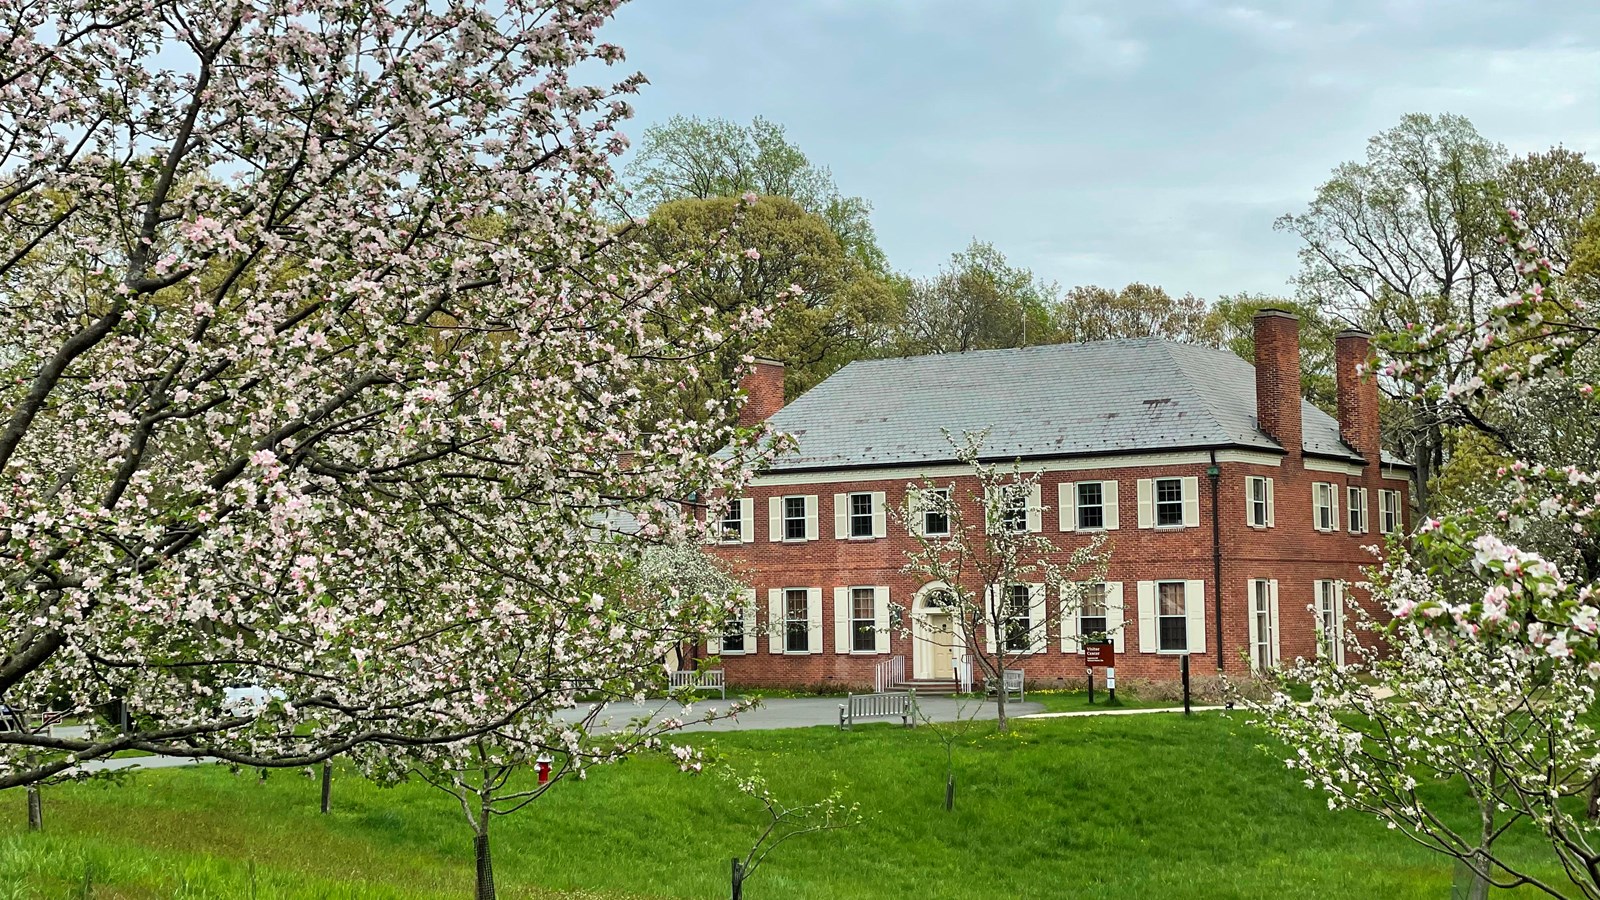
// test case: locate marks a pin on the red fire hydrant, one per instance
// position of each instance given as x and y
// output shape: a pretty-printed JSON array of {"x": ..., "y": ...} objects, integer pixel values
[{"x": 543, "y": 763}]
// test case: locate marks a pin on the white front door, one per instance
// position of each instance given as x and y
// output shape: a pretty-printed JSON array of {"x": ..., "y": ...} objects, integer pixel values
[{"x": 935, "y": 648}]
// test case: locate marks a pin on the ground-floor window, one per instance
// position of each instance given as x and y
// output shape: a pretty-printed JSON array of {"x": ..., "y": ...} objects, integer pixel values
[
  {"x": 1261, "y": 609},
  {"x": 1172, "y": 616},
  {"x": 863, "y": 620},
  {"x": 796, "y": 621},
  {"x": 733, "y": 633},
  {"x": 1092, "y": 614}
]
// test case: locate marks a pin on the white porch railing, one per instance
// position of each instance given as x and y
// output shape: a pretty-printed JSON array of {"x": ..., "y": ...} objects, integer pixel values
[
  {"x": 888, "y": 673},
  {"x": 963, "y": 672}
]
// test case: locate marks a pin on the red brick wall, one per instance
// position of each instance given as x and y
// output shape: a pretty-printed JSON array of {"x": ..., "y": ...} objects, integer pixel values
[
  {"x": 763, "y": 388},
  {"x": 1292, "y": 552}
]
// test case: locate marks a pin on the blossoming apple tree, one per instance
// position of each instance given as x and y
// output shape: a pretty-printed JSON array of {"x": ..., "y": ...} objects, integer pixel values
[
  {"x": 1483, "y": 677},
  {"x": 324, "y": 374}
]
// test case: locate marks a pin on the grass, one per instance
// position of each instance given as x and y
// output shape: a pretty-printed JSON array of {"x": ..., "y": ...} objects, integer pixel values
[{"x": 1115, "y": 807}]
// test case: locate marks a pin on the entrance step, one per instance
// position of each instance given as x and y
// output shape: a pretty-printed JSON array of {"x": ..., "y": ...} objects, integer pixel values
[{"x": 928, "y": 687}]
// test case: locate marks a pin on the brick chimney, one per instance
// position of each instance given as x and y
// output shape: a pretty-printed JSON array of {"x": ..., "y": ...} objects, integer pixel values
[
  {"x": 763, "y": 388},
  {"x": 1358, "y": 394},
  {"x": 1277, "y": 338}
]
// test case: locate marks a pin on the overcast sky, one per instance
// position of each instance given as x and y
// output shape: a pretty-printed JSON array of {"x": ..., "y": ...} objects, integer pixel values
[{"x": 1103, "y": 143}]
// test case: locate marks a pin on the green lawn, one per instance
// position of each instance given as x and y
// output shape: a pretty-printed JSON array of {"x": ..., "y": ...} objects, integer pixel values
[{"x": 1116, "y": 807}]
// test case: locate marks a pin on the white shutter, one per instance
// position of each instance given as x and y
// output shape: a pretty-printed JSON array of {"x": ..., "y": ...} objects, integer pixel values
[
  {"x": 1035, "y": 507},
  {"x": 1114, "y": 613},
  {"x": 1069, "y": 620},
  {"x": 811, "y": 517},
  {"x": 1038, "y": 618},
  {"x": 841, "y": 620},
  {"x": 914, "y": 510},
  {"x": 1366, "y": 513},
  {"x": 747, "y": 520},
  {"x": 880, "y": 617},
  {"x": 1255, "y": 625},
  {"x": 992, "y": 513},
  {"x": 1272, "y": 592},
  {"x": 841, "y": 516},
  {"x": 775, "y": 518},
  {"x": 751, "y": 614},
  {"x": 814, "y": 617},
  {"x": 1338, "y": 622},
  {"x": 1316, "y": 505},
  {"x": 714, "y": 643},
  {"x": 1147, "y": 617},
  {"x": 1333, "y": 498},
  {"x": 989, "y": 615},
  {"x": 1249, "y": 499},
  {"x": 1108, "y": 496},
  {"x": 1194, "y": 605},
  {"x": 880, "y": 514},
  {"x": 1272, "y": 515},
  {"x": 1320, "y": 605},
  {"x": 1191, "y": 502},
  {"x": 1067, "y": 505},
  {"x": 775, "y": 620},
  {"x": 1147, "y": 503}
]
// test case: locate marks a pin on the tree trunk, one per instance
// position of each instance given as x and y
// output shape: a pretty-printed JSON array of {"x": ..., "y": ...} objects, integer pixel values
[
  {"x": 327, "y": 786},
  {"x": 1000, "y": 699},
  {"x": 35, "y": 809},
  {"x": 480, "y": 846},
  {"x": 949, "y": 791}
]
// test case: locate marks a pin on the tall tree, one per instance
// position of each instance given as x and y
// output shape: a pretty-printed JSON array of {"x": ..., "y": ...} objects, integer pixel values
[
  {"x": 832, "y": 308},
  {"x": 327, "y": 379},
  {"x": 692, "y": 158},
  {"x": 978, "y": 301},
  {"x": 1405, "y": 237},
  {"x": 1092, "y": 313},
  {"x": 1556, "y": 192}
]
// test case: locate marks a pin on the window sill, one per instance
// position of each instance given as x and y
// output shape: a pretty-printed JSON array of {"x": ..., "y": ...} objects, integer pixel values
[
  {"x": 1169, "y": 527},
  {"x": 862, "y": 537},
  {"x": 1259, "y": 527},
  {"x": 1175, "y": 652},
  {"x": 794, "y": 540}
]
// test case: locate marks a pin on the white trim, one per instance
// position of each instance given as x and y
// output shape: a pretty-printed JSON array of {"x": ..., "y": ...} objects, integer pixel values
[
  {"x": 1312, "y": 464},
  {"x": 917, "y": 473},
  {"x": 1394, "y": 473}
]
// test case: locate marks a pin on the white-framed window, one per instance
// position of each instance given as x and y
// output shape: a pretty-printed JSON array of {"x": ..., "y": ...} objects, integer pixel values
[
  {"x": 1169, "y": 502},
  {"x": 863, "y": 620},
  {"x": 1093, "y": 620},
  {"x": 794, "y": 518},
  {"x": 733, "y": 632},
  {"x": 1018, "y": 620},
  {"x": 1014, "y": 508},
  {"x": 796, "y": 621},
  {"x": 731, "y": 528},
  {"x": 1330, "y": 618},
  {"x": 1258, "y": 501},
  {"x": 1325, "y": 510},
  {"x": 1091, "y": 505},
  {"x": 1172, "y": 617},
  {"x": 1356, "y": 507},
  {"x": 936, "y": 512},
  {"x": 1389, "y": 520},
  {"x": 1264, "y": 624},
  {"x": 860, "y": 515}
]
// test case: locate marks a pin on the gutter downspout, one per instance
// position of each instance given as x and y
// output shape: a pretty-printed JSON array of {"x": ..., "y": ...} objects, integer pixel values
[{"x": 1216, "y": 551}]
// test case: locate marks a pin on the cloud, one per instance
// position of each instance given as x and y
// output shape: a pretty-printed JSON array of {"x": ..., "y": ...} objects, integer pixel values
[{"x": 1099, "y": 44}]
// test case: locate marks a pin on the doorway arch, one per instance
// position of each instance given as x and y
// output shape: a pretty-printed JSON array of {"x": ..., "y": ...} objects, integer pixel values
[{"x": 936, "y": 640}]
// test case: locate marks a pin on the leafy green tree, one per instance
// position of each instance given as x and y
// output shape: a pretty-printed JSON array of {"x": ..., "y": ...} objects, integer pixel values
[
  {"x": 835, "y": 316},
  {"x": 978, "y": 301},
  {"x": 1407, "y": 236},
  {"x": 1230, "y": 322},
  {"x": 692, "y": 158},
  {"x": 1093, "y": 313},
  {"x": 1557, "y": 192}
]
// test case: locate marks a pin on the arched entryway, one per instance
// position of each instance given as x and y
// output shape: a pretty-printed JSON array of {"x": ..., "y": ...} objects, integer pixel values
[{"x": 936, "y": 643}]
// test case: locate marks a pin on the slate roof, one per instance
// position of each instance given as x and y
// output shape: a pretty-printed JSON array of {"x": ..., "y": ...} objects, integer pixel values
[{"x": 1038, "y": 402}]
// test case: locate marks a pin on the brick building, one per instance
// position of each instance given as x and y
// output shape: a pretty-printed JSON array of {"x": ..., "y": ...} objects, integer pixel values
[{"x": 1235, "y": 510}]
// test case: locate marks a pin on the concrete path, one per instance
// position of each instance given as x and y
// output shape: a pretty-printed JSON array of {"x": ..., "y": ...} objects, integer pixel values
[
  {"x": 792, "y": 712},
  {"x": 1120, "y": 712}
]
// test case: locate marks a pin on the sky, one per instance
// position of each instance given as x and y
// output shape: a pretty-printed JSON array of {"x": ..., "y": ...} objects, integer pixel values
[{"x": 1107, "y": 143}]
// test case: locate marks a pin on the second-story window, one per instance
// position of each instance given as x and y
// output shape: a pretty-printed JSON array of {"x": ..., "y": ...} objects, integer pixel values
[
  {"x": 1091, "y": 505},
  {"x": 1014, "y": 508},
  {"x": 1169, "y": 502},
  {"x": 732, "y": 523},
  {"x": 861, "y": 515},
  {"x": 1356, "y": 504},
  {"x": 1259, "y": 497},
  {"x": 1389, "y": 511},
  {"x": 794, "y": 518},
  {"x": 936, "y": 512},
  {"x": 1322, "y": 498}
]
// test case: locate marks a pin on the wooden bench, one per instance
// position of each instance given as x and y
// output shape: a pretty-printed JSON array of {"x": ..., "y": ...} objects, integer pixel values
[
  {"x": 879, "y": 706},
  {"x": 1013, "y": 684},
  {"x": 700, "y": 680}
]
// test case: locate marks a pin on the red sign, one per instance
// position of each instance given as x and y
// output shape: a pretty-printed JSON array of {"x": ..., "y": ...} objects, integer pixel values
[{"x": 1100, "y": 656}]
